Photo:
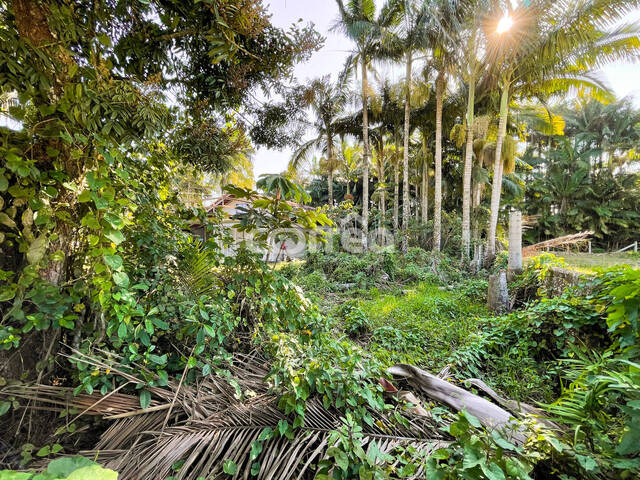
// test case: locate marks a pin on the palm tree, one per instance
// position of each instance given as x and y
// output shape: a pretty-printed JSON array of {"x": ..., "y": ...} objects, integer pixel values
[
  {"x": 327, "y": 100},
  {"x": 548, "y": 49},
  {"x": 411, "y": 37},
  {"x": 424, "y": 161},
  {"x": 359, "y": 23},
  {"x": 470, "y": 65},
  {"x": 441, "y": 33},
  {"x": 350, "y": 158}
]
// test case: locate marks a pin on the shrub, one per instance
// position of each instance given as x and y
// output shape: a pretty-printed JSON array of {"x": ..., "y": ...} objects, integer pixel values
[{"x": 354, "y": 319}]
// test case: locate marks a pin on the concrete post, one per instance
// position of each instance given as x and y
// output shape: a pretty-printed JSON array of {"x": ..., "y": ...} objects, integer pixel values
[
  {"x": 515, "y": 244},
  {"x": 498, "y": 293}
]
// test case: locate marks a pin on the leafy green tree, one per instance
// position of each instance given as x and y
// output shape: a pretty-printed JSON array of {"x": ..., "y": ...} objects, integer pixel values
[{"x": 91, "y": 74}]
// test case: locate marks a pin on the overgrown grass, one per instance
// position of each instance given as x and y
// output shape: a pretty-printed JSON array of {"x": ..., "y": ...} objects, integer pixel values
[
  {"x": 592, "y": 262},
  {"x": 421, "y": 325}
]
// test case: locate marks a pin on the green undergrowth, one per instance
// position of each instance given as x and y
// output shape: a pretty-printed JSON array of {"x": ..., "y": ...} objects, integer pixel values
[{"x": 421, "y": 325}]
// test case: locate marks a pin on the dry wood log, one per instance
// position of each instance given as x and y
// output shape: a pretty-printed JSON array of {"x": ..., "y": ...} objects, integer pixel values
[{"x": 490, "y": 415}]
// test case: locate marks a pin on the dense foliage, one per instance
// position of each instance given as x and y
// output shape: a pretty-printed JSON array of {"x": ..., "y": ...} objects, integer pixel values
[{"x": 106, "y": 293}]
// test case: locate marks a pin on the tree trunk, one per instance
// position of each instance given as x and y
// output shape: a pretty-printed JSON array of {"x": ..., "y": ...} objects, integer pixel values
[
  {"x": 425, "y": 193},
  {"x": 396, "y": 189},
  {"x": 381, "y": 180},
  {"x": 365, "y": 158},
  {"x": 331, "y": 163},
  {"x": 437, "y": 214},
  {"x": 31, "y": 19},
  {"x": 496, "y": 187},
  {"x": 466, "y": 178},
  {"x": 405, "y": 160}
]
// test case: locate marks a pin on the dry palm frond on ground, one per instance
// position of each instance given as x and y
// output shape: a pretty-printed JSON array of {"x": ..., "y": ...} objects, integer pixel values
[{"x": 192, "y": 431}]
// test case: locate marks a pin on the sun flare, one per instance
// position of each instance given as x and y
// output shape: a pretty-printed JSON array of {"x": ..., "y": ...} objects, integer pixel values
[{"x": 505, "y": 24}]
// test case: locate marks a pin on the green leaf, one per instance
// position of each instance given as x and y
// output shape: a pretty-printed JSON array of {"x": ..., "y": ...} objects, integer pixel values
[
  {"x": 115, "y": 236},
  {"x": 44, "y": 451},
  {"x": 7, "y": 221},
  {"x": 121, "y": 279},
  {"x": 114, "y": 261},
  {"x": 37, "y": 249},
  {"x": 12, "y": 475},
  {"x": 94, "y": 472},
  {"x": 115, "y": 221},
  {"x": 63, "y": 467},
  {"x": 265, "y": 434},
  {"x": 340, "y": 457},
  {"x": 4, "y": 183},
  {"x": 4, "y": 407},
  {"x": 145, "y": 399},
  {"x": 256, "y": 448},
  {"x": 493, "y": 471},
  {"x": 473, "y": 457},
  {"x": 588, "y": 463},
  {"x": 630, "y": 443},
  {"x": 85, "y": 196},
  {"x": 282, "y": 426},
  {"x": 122, "y": 330},
  {"x": 229, "y": 467},
  {"x": 472, "y": 420},
  {"x": 104, "y": 39}
]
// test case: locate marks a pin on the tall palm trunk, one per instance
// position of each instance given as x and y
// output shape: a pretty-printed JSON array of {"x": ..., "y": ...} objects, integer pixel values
[
  {"x": 496, "y": 187},
  {"x": 405, "y": 161},
  {"x": 437, "y": 214},
  {"x": 365, "y": 158},
  {"x": 466, "y": 178},
  {"x": 396, "y": 181},
  {"x": 425, "y": 193},
  {"x": 331, "y": 163}
]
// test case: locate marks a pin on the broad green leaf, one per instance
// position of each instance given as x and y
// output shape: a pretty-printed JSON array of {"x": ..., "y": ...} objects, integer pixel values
[
  {"x": 4, "y": 407},
  {"x": 37, "y": 250},
  {"x": 588, "y": 463},
  {"x": 114, "y": 261},
  {"x": 340, "y": 457},
  {"x": 256, "y": 448},
  {"x": 121, "y": 279},
  {"x": 229, "y": 467},
  {"x": 115, "y": 236},
  {"x": 13, "y": 475},
  {"x": 7, "y": 221},
  {"x": 492, "y": 471},
  {"x": 145, "y": 399},
  {"x": 44, "y": 451},
  {"x": 122, "y": 330},
  {"x": 115, "y": 221},
  {"x": 63, "y": 467},
  {"x": 93, "y": 472}
]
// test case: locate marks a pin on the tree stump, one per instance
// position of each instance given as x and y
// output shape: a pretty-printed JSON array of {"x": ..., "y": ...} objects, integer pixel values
[{"x": 498, "y": 294}]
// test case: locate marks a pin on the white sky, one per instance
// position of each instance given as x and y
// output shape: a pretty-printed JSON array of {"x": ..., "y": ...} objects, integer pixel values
[{"x": 624, "y": 79}]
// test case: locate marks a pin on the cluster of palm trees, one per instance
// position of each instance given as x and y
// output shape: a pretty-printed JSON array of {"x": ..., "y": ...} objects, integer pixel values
[{"x": 492, "y": 54}]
